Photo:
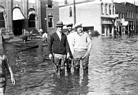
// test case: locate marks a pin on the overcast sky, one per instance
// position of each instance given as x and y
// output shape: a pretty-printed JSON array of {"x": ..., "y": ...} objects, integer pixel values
[
  {"x": 62, "y": 1},
  {"x": 131, "y": 1}
]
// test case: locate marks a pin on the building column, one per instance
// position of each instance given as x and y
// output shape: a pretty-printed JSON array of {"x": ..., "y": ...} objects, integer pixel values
[
  {"x": 112, "y": 30},
  {"x": 25, "y": 11},
  {"x": 38, "y": 14},
  {"x": 105, "y": 30},
  {"x": 9, "y": 16}
]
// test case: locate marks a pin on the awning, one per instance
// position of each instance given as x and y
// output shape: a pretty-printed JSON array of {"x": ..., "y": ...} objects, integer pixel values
[
  {"x": 17, "y": 14},
  {"x": 1, "y": 9}
]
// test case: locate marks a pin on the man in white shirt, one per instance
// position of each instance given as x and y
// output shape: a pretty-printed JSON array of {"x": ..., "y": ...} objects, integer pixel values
[{"x": 81, "y": 46}]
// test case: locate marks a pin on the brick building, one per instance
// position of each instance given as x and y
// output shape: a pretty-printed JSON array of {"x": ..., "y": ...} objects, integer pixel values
[
  {"x": 16, "y": 15},
  {"x": 126, "y": 13}
]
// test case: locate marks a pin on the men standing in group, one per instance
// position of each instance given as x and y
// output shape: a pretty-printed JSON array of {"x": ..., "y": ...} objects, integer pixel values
[
  {"x": 58, "y": 47},
  {"x": 81, "y": 46}
]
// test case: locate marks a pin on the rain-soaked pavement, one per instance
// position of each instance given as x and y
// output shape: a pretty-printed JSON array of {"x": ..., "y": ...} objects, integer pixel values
[{"x": 113, "y": 70}]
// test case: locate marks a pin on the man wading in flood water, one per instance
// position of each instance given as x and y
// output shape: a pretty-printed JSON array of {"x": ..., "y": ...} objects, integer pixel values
[
  {"x": 3, "y": 67},
  {"x": 81, "y": 47},
  {"x": 58, "y": 47},
  {"x": 69, "y": 60}
]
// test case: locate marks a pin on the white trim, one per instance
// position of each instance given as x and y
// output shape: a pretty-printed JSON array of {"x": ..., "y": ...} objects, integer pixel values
[{"x": 17, "y": 14}]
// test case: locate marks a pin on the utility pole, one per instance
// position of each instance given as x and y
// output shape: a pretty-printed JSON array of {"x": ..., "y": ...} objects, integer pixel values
[
  {"x": 135, "y": 18},
  {"x": 74, "y": 5}
]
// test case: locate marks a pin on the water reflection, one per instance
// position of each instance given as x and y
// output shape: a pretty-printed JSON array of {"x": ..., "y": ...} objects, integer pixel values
[
  {"x": 113, "y": 70},
  {"x": 72, "y": 84}
]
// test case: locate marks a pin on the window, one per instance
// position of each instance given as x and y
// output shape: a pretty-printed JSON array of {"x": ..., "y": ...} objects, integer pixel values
[
  {"x": 102, "y": 9},
  {"x": 106, "y": 9},
  {"x": 2, "y": 22},
  {"x": 70, "y": 11},
  {"x": 31, "y": 20},
  {"x": 113, "y": 9},
  {"x": 110, "y": 11},
  {"x": 49, "y": 3},
  {"x": 50, "y": 21},
  {"x": 65, "y": 2}
]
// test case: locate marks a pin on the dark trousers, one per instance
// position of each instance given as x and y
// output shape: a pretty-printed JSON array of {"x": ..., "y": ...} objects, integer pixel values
[{"x": 78, "y": 60}]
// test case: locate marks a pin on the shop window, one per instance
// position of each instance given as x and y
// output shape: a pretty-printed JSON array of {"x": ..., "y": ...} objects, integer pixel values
[{"x": 49, "y": 3}]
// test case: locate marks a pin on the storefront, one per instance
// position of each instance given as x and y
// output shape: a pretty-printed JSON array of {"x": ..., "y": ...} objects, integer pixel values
[
  {"x": 107, "y": 26},
  {"x": 18, "y": 21}
]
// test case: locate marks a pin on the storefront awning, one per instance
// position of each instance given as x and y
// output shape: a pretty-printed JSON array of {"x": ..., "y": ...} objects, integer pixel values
[
  {"x": 1, "y": 9},
  {"x": 17, "y": 14}
]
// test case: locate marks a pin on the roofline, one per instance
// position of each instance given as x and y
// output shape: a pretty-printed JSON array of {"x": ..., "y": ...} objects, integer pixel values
[{"x": 75, "y": 3}]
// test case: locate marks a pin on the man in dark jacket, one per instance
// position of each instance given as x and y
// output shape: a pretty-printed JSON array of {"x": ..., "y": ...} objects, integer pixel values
[{"x": 58, "y": 47}]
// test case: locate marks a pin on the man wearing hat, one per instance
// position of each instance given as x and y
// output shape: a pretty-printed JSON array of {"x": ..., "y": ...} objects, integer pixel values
[
  {"x": 81, "y": 47},
  {"x": 69, "y": 59},
  {"x": 69, "y": 29},
  {"x": 58, "y": 47}
]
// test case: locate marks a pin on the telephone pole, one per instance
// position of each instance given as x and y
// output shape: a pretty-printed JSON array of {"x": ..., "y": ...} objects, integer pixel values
[{"x": 74, "y": 6}]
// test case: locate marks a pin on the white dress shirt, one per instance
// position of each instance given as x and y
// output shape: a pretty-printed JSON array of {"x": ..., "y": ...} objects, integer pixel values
[{"x": 59, "y": 34}]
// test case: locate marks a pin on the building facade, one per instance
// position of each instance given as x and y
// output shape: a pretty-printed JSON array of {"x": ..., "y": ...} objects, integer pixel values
[
  {"x": 104, "y": 17},
  {"x": 23, "y": 14},
  {"x": 108, "y": 18},
  {"x": 126, "y": 17},
  {"x": 98, "y": 16}
]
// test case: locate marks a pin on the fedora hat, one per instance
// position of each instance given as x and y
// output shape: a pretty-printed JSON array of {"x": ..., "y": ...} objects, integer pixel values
[
  {"x": 59, "y": 24},
  {"x": 77, "y": 25},
  {"x": 69, "y": 25}
]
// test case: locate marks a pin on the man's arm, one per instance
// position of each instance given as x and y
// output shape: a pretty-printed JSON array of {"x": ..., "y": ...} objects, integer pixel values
[
  {"x": 89, "y": 46},
  {"x": 67, "y": 47},
  {"x": 9, "y": 69},
  {"x": 50, "y": 43}
]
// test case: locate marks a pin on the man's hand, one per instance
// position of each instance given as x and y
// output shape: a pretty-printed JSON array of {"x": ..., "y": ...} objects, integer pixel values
[
  {"x": 13, "y": 80},
  {"x": 87, "y": 54},
  {"x": 50, "y": 56},
  {"x": 68, "y": 55}
]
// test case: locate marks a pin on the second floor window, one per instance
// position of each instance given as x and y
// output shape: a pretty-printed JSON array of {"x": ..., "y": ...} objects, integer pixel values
[
  {"x": 70, "y": 11},
  {"x": 106, "y": 9},
  {"x": 49, "y": 4},
  {"x": 110, "y": 10},
  {"x": 50, "y": 21}
]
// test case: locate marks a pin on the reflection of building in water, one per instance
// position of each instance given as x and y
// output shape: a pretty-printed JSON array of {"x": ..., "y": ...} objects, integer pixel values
[{"x": 15, "y": 15}]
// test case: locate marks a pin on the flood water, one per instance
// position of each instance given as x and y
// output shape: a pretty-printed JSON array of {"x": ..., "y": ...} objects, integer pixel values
[{"x": 113, "y": 70}]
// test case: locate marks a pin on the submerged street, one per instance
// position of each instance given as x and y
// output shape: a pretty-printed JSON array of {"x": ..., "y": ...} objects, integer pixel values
[{"x": 113, "y": 70}]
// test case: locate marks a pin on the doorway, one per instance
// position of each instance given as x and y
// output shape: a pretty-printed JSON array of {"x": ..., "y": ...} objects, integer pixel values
[
  {"x": 2, "y": 22},
  {"x": 31, "y": 20},
  {"x": 18, "y": 26},
  {"x": 18, "y": 21}
]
